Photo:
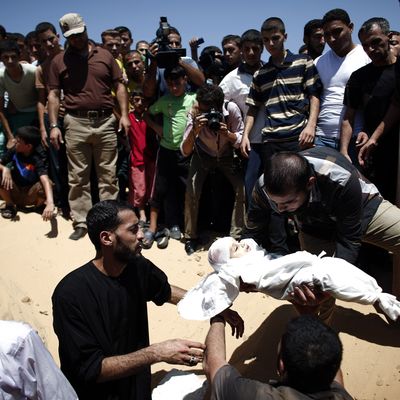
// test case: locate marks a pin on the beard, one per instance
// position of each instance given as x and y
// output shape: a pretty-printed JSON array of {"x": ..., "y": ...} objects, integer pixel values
[{"x": 124, "y": 253}]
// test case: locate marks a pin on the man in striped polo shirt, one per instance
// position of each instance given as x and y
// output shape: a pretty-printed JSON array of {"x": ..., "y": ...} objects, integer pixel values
[{"x": 288, "y": 87}]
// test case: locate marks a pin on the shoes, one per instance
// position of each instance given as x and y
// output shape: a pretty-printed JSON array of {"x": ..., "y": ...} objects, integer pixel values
[
  {"x": 148, "y": 240},
  {"x": 9, "y": 212},
  {"x": 175, "y": 233},
  {"x": 78, "y": 233},
  {"x": 190, "y": 246},
  {"x": 162, "y": 238}
]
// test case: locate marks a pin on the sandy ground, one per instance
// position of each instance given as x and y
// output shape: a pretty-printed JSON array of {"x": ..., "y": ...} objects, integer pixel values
[{"x": 35, "y": 256}]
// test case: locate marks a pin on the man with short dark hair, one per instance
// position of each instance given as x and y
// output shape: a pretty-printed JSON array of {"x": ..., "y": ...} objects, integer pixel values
[
  {"x": 231, "y": 51},
  {"x": 126, "y": 39},
  {"x": 289, "y": 120},
  {"x": 100, "y": 313},
  {"x": 17, "y": 79},
  {"x": 334, "y": 68},
  {"x": 308, "y": 363},
  {"x": 89, "y": 121},
  {"x": 370, "y": 90},
  {"x": 49, "y": 41},
  {"x": 236, "y": 87},
  {"x": 335, "y": 207},
  {"x": 313, "y": 38}
]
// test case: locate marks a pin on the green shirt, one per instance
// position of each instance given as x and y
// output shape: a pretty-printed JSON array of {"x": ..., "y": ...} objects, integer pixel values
[{"x": 174, "y": 110}]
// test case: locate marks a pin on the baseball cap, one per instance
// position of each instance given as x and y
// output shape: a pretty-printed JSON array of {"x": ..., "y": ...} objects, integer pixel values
[{"x": 72, "y": 24}]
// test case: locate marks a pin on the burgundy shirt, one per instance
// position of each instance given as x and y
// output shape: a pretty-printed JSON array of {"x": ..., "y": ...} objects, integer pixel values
[{"x": 86, "y": 81}]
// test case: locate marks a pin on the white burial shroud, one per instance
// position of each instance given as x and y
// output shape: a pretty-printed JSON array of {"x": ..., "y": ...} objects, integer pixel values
[{"x": 278, "y": 277}]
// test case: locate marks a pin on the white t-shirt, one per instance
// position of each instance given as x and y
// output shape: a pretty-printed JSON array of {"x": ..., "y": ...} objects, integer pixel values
[
  {"x": 236, "y": 87},
  {"x": 23, "y": 94},
  {"x": 27, "y": 370},
  {"x": 334, "y": 72}
]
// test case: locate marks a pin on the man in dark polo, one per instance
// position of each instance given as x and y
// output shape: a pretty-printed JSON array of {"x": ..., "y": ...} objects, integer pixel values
[{"x": 86, "y": 75}]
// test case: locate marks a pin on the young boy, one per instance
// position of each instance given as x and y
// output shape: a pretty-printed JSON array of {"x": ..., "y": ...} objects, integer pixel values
[
  {"x": 143, "y": 144},
  {"x": 24, "y": 176},
  {"x": 172, "y": 166}
]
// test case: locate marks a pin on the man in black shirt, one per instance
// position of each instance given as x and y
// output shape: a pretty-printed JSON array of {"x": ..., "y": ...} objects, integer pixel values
[
  {"x": 370, "y": 90},
  {"x": 100, "y": 313}
]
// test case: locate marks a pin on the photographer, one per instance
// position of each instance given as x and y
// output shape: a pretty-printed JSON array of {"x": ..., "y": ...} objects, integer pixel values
[
  {"x": 168, "y": 40},
  {"x": 213, "y": 130}
]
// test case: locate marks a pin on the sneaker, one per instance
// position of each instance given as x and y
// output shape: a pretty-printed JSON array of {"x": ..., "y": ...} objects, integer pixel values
[
  {"x": 190, "y": 246},
  {"x": 175, "y": 233},
  {"x": 9, "y": 212}
]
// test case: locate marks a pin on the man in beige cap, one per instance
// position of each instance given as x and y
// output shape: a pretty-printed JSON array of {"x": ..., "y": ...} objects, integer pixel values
[{"x": 86, "y": 74}]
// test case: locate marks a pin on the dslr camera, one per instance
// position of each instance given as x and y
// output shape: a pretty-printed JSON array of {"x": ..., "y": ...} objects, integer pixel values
[
  {"x": 214, "y": 118},
  {"x": 166, "y": 57}
]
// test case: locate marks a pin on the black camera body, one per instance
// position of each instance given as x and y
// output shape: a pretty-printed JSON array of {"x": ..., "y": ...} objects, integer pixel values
[
  {"x": 166, "y": 57},
  {"x": 214, "y": 118}
]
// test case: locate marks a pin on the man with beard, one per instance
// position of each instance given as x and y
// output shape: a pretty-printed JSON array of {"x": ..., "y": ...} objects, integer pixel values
[{"x": 100, "y": 313}]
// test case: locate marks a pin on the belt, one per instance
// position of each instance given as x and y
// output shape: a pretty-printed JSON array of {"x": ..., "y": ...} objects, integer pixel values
[{"x": 91, "y": 114}]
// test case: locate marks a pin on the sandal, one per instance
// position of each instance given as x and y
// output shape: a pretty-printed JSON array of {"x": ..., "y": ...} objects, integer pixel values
[
  {"x": 9, "y": 212},
  {"x": 162, "y": 238},
  {"x": 148, "y": 240}
]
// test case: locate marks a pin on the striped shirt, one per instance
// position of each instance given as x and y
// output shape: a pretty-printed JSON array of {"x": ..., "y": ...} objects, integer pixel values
[{"x": 284, "y": 92}]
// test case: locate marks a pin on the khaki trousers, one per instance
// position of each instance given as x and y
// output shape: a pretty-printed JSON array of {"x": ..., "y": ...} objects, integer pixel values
[{"x": 87, "y": 141}]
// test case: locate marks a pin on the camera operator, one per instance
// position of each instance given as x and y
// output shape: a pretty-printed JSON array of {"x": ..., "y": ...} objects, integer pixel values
[
  {"x": 155, "y": 74},
  {"x": 213, "y": 130}
]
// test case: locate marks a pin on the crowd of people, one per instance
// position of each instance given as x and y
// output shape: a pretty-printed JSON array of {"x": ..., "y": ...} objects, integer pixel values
[{"x": 127, "y": 143}]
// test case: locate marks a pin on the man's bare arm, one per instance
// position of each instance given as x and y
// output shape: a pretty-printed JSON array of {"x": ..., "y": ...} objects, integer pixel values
[
  {"x": 53, "y": 108},
  {"x": 175, "y": 351},
  {"x": 306, "y": 138},
  {"x": 215, "y": 354},
  {"x": 194, "y": 75},
  {"x": 248, "y": 126}
]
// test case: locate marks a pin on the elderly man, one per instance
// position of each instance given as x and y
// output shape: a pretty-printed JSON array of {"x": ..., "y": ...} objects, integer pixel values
[{"x": 89, "y": 121}]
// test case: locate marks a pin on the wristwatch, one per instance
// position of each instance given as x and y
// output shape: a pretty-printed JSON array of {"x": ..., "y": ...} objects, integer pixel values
[{"x": 52, "y": 126}]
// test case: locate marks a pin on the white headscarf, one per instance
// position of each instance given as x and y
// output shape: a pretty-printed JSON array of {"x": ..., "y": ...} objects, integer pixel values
[{"x": 219, "y": 252}]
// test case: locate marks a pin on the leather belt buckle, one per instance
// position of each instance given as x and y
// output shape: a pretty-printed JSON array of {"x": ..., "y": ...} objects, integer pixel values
[{"x": 93, "y": 114}]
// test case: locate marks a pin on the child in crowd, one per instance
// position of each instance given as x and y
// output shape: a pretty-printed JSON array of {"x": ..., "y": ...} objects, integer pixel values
[
  {"x": 24, "y": 176},
  {"x": 143, "y": 151},
  {"x": 172, "y": 166}
]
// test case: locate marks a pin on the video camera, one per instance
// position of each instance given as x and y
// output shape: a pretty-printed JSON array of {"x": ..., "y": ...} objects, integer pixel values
[
  {"x": 214, "y": 118},
  {"x": 166, "y": 57}
]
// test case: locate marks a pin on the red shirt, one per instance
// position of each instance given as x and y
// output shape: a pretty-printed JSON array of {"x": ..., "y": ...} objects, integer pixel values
[{"x": 142, "y": 140}]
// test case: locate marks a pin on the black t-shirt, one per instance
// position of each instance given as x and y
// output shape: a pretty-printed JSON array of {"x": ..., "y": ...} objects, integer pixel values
[
  {"x": 97, "y": 316},
  {"x": 26, "y": 170},
  {"x": 370, "y": 89}
]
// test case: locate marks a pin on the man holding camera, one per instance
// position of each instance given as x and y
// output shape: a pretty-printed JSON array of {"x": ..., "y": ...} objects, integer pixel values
[{"x": 213, "y": 130}]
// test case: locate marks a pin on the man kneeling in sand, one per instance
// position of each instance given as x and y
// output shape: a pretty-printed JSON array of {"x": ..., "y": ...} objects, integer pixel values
[
  {"x": 309, "y": 357},
  {"x": 100, "y": 313}
]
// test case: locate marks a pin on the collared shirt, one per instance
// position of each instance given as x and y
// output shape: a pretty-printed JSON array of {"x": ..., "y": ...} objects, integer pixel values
[
  {"x": 27, "y": 370},
  {"x": 284, "y": 92},
  {"x": 86, "y": 81},
  {"x": 236, "y": 87},
  {"x": 213, "y": 143}
]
